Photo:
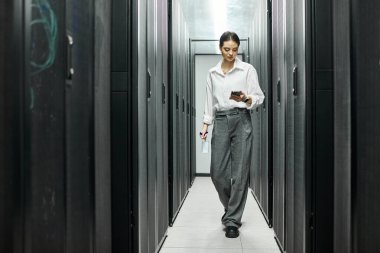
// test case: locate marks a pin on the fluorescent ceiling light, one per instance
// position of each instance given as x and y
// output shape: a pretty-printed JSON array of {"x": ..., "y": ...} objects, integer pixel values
[{"x": 218, "y": 9}]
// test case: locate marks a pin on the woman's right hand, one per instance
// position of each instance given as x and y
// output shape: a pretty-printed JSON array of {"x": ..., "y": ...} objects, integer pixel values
[{"x": 204, "y": 132}]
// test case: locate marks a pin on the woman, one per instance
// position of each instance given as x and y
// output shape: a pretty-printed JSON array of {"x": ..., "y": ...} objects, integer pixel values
[{"x": 232, "y": 89}]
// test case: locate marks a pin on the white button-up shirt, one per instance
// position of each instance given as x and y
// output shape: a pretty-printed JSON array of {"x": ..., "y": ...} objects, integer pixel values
[{"x": 242, "y": 77}]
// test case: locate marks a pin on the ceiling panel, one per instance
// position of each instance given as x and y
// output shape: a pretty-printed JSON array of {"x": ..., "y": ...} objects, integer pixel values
[{"x": 210, "y": 18}]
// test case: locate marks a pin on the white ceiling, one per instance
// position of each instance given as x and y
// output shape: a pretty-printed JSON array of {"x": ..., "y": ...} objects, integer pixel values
[{"x": 210, "y": 18}]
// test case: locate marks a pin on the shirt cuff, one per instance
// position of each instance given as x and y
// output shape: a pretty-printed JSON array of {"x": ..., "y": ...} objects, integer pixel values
[
  {"x": 252, "y": 102},
  {"x": 207, "y": 119}
]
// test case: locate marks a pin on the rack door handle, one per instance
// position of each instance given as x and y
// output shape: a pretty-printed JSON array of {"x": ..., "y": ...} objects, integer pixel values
[
  {"x": 149, "y": 85},
  {"x": 264, "y": 103},
  {"x": 295, "y": 80},
  {"x": 70, "y": 67},
  {"x": 163, "y": 93},
  {"x": 279, "y": 91}
]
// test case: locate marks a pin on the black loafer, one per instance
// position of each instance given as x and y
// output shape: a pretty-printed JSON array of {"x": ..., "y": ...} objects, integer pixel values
[{"x": 232, "y": 232}]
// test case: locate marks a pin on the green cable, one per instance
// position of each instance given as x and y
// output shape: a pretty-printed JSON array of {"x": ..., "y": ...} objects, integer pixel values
[{"x": 48, "y": 20}]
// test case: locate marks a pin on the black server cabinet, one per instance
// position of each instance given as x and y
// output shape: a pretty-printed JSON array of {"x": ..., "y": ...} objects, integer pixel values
[
  {"x": 102, "y": 126},
  {"x": 303, "y": 125},
  {"x": 186, "y": 118},
  {"x": 256, "y": 120},
  {"x": 79, "y": 126},
  {"x": 365, "y": 69},
  {"x": 193, "y": 126},
  {"x": 279, "y": 85},
  {"x": 255, "y": 168},
  {"x": 162, "y": 120},
  {"x": 179, "y": 116},
  {"x": 171, "y": 112},
  {"x": 261, "y": 169},
  {"x": 151, "y": 142},
  {"x": 342, "y": 127},
  {"x": 295, "y": 126},
  {"x": 139, "y": 125},
  {"x": 178, "y": 111},
  {"x": 45, "y": 173},
  {"x": 149, "y": 115},
  {"x": 295, "y": 59},
  {"x": 183, "y": 127},
  {"x": 54, "y": 177},
  {"x": 181, "y": 123},
  {"x": 267, "y": 168},
  {"x": 123, "y": 194},
  {"x": 289, "y": 67},
  {"x": 321, "y": 128},
  {"x": 256, "y": 162},
  {"x": 11, "y": 130}
]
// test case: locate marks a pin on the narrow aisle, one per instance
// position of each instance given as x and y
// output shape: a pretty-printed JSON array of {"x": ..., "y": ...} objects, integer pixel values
[{"x": 198, "y": 228}]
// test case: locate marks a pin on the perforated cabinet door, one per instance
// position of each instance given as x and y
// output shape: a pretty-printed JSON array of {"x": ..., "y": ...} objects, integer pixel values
[
  {"x": 11, "y": 131},
  {"x": 297, "y": 96},
  {"x": 161, "y": 118},
  {"x": 151, "y": 124},
  {"x": 44, "y": 124},
  {"x": 123, "y": 144},
  {"x": 279, "y": 107},
  {"x": 79, "y": 120},
  {"x": 266, "y": 136},
  {"x": 323, "y": 127},
  {"x": 289, "y": 114},
  {"x": 365, "y": 93}
]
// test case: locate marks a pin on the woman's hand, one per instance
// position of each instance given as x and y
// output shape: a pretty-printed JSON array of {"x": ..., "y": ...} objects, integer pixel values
[
  {"x": 241, "y": 98},
  {"x": 238, "y": 98},
  {"x": 204, "y": 132}
]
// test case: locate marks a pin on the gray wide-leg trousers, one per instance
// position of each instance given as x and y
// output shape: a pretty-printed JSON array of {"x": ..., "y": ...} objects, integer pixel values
[{"x": 230, "y": 161}]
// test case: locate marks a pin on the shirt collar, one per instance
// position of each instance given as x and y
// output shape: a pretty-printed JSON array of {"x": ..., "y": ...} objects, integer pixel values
[{"x": 238, "y": 64}]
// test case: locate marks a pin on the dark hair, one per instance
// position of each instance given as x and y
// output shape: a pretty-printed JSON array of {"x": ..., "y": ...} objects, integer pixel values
[{"x": 227, "y": 36}]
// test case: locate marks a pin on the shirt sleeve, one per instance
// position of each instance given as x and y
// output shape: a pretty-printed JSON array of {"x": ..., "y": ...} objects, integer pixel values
[
  {"x": 208, "y": 116},
  {"x": 254, "y": 90}
]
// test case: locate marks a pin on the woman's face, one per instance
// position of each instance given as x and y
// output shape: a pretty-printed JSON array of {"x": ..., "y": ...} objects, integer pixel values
[{"x": 229, "y": 50}]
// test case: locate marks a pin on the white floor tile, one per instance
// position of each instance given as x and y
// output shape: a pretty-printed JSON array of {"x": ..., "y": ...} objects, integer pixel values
[
  {"x": 261, "y": 251},
  {"x": 198, "y": 228},
  {"x": 197, "y": 250},
  {"x": 185, "y": 237},
  {"x": 258, "y": 240}
]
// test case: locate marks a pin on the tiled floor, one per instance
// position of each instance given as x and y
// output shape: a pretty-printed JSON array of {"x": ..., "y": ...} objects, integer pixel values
[{"x": 198, "y": 228}]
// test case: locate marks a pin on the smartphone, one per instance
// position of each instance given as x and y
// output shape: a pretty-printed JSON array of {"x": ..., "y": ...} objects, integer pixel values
[{"x": 235, "y": 93}]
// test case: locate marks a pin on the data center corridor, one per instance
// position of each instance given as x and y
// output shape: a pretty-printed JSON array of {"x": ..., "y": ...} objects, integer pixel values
[{"x": 100, "y": 119}]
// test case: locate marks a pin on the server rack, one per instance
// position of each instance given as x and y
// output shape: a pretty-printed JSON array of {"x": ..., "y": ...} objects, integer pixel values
[
  {"x": 150, "y": 114},
  {"x": 45, "y": 147},
  {"x": 179, "y": 116},
  {"x": 279, "y": 107},
  {"x": 148, "y": 118},
  {"x": 322, "y": 143},
  {"x": 162, "y": 147},
  {"x": 342, "y": 128},
  {"x": 102, "y": 131},
  {"x": 261, "y": 176},
  {"x": 55, "y": 178},
  {"x": 173, "y": 104},
  {"x": 302, "y": 125},
  {"x": 296, "y": 125},
  {"x": 124, "y": 195},
  {"x": 365, "y": 60},
  {"x": 11, "y": 127},
  {"x": 138, "y": 121}
]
